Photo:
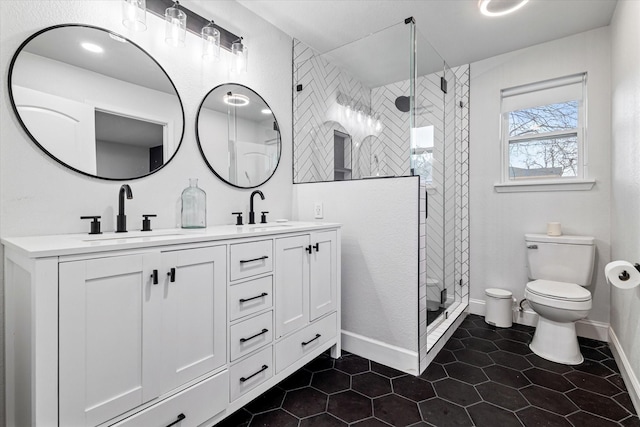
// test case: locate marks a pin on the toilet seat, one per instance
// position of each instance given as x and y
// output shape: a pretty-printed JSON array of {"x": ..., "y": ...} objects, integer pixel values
[{"x": 564, "y": 295}]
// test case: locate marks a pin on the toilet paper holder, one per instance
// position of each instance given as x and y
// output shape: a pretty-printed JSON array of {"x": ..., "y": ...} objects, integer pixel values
[{"x": 624, "y": 276}]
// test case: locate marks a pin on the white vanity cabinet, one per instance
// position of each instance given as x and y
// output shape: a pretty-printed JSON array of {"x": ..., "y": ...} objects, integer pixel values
[{"x": 168, "y": 329}]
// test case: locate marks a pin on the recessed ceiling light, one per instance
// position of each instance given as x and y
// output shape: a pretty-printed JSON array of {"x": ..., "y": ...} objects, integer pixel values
[
  {"x": 92, "y": 47},
  {"x": 236, "y": 99},
  {"x": 500, "y": 7}
]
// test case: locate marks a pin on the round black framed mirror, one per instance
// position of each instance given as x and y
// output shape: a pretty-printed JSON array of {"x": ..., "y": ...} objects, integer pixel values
[
  {"x": 96, "y": 102},
  {"x": 238, "y": 135}
]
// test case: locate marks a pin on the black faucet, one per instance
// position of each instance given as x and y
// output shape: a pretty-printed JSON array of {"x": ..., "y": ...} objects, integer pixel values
[
  {"x": 252, "y": 215},
  {"x": 121, "y": 219}
]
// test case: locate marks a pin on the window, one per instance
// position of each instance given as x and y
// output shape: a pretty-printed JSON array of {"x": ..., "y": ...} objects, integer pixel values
[{"x": 543, "y": 132}]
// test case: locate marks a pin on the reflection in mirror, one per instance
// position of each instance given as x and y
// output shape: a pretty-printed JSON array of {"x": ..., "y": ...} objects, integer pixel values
[
  {"x": 96, "y": 102},
  {"x": 238, "y": 135}
]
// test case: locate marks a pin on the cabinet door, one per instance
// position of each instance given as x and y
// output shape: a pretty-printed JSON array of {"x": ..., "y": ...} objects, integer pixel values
[
  {"x": 108, "y": 348},
  {"x": 292, "y": 284},
  {"x": 194, "y": 332},
  {"x": 323, "y": 274}
]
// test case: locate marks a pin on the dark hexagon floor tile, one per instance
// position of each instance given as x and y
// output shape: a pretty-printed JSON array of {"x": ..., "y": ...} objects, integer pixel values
[
  {"x": 523, "y": 328},
  {"x": 300, "y": 378},
  {"x": 240, "y": 418},
  {"x": 487, "y": 334},
  {"x": 441, "y": 413},
  {"x": 506, "y": 376},
  {"x": 267, "y": 401},
  {"x": 453, "y": 344},
  {"x": 501, "y": 395},
  {"x": 588, "y": 342},
  {"x": 592, "y": 383},
  {"x": 632, "y": 421},
  {"x": 277, "y": 417},
  {"x": 444, "y": 356},
  {"x": 547, "y": 364},
  {"x": 305, "y": 402},
  {"x": 370, "y": 422},
  {"x": 549, "y": 400},
  {"x": 460, "y": 333},
  {"x": 413, "y": 388},
  {"x": 617, "y": 381},
  {"x": 480, "y": 323},
  {"x": 473, "y": 357},
  {"x": 322, "y": 420},
  {"x": 548, "y": 379},
  {"x": 510, "y": 360},
  {"x": 583, "y": 419},
  {"x": 396, "y": 410},
  {"x": 592, "y": 354},
  {"x": 467, "y": 373},
  {"x": 606, "y": 351},
  {"x": 349, "y": 406},
  {"x": 352, "y": 364},
  {"x": 386, "y": 371},
  {"x": 597, "y": 404},
  {"x": 457, "y": 392},
  {"x": 611, "y": 364},
  {"x": 331, "y": 381},
  {"x": 479, "y": 344},
  {"x": 433, "y": 372},
  {"x": 513, "y": 347},
  {"x": 534, "y": 417},
  {"x": 514, "y": 335},
  {"x": 484, "y": 414},
  {"x": 320, "y": 363},
  {"x": 594, "y": 368},
  {"x": 625, "y": 401},
  {"x": 371, "y": 384}
]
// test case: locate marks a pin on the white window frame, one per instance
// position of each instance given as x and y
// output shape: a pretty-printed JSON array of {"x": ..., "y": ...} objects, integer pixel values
[{"x": 558, "y": 90}]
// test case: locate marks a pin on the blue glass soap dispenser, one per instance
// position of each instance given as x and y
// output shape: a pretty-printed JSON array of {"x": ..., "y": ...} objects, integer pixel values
[{"x": 194, "y": 206}]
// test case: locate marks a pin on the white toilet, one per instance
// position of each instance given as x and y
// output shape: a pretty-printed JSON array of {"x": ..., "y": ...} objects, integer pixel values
[{"x": 559, "y": 266}]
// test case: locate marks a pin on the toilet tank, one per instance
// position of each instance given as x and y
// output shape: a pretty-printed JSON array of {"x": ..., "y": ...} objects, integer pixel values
[{"x": 560, "y": 258}]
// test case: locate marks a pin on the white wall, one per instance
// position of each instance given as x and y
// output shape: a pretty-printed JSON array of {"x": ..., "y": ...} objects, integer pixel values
[
  {"x": 39, "y": 196},
  {"x": 625, "y": 204},
  {"x": 499, "y": 221}
]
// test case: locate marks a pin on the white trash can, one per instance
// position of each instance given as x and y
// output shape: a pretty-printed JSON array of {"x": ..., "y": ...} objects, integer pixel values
[{"x": 498, "y": 307}]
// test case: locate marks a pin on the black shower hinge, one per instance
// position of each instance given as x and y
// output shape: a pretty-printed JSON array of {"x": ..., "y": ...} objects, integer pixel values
[
  {"x": 299, "y": 88},
  {"x": 443, "y": 84},
  {"x": 410, "y": 20}
]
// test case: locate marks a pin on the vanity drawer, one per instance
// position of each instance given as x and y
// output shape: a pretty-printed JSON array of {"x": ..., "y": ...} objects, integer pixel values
[
  {"x": 197, "y": 404},
  {"x": 305, "y": 341},
  {"x": 250, "y": 259},
  {"x": 250, "y": 373},
  {"x": 250, "y": 297},
  {"x": 251, "y": 334}
]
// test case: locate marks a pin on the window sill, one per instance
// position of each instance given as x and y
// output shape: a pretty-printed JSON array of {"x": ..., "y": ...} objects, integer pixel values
[{"x": 572, "y": 185}]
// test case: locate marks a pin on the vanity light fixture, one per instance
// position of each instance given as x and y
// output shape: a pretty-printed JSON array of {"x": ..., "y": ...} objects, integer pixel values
[
  {"x": 175, "y": 26},
  {"x": 240, "y": 54},
  {"x": 500, "y": 7},
  {"x": 210, "y": 42},
  {"x": 134, "y": 14},
  {"x": 236, "y": 99},
  {"x": 91, "y": 47}
]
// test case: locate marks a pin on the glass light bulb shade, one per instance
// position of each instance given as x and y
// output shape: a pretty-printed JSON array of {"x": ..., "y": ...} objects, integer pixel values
[
  {"x": 240, "y": 57},
  {"x": 359, "y": 116},
  {"x": 175, "y": 26},
  {"x": 369, "y": 121},
  {"x": 210, "y": 43},
  {"x": 134, "y": 14},
  {"x": 347, "y": 111},
  {"x": 378, "y": 124}
]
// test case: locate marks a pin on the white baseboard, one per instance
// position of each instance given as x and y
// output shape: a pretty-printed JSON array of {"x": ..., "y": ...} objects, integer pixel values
[
  {"x": 396, "y": 357},
  {"x": 584, "y": 328},
  {"x": 626, "y": 371}
]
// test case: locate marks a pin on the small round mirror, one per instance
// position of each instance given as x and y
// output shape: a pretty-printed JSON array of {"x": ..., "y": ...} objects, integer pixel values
[
  {"x": 238, "y": 135},
  {"x": 96, "y": 102}
]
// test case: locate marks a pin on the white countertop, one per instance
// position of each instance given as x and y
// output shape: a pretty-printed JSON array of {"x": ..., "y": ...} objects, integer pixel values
[{"x": 73, "y": 244}]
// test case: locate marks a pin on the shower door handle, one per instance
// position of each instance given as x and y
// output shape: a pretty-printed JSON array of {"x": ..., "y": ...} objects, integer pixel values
[{"x": 426, "y": 204}]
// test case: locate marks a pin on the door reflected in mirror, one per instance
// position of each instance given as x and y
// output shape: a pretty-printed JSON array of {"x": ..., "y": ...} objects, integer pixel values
[
  {"x": 238, "y": 135},
  {"x": 96, "y": 102}
]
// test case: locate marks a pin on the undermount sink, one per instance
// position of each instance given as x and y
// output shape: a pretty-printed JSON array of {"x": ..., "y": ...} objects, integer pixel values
[{"x": 138, "y": 235}]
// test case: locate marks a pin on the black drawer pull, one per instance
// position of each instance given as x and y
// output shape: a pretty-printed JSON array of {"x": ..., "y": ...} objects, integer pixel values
[
  {"x": 154, "y": 277},
  {"x": 317, "y": 247},
  {"x": 264, "y": 368},
  {"x": 264, "y": 331},
  {"x": 244, "y": 261},
  {"x": 311, "y": 340},
  {"x": 308, "y": 249},
  {"x": 264, "y": 294},
  {"x": 172, "y": 275},
  {"x": 180, "y": 418}
]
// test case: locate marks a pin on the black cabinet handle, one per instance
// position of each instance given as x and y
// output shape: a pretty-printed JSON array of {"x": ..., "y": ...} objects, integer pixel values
[
  {"x": 264, "y": 331},
  {"x": 244, "y": 261},
  {"x": 308, "y": 249},
  {"x": 264, "y": 294},
  {"x": 311, "y": 340},
  {"x": 317, "y": 247},
  {"x": 154, "y": 277},
  {"x": 172, "y": 275},
  {"x": 264, "y": 368},
  {"x": 180, "y": 418}
]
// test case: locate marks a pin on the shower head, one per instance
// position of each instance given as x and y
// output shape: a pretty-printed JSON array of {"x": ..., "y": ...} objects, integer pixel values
[{"x": 402, "y": 103}]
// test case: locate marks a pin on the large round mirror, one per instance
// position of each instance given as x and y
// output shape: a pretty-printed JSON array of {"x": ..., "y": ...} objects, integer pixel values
[
  {"x": 238, "y": 135},
  {"x": 96, "y": 102}
]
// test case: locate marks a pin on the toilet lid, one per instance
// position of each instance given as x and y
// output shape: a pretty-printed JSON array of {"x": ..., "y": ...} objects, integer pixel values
[{"x": 559, "y": 290}]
